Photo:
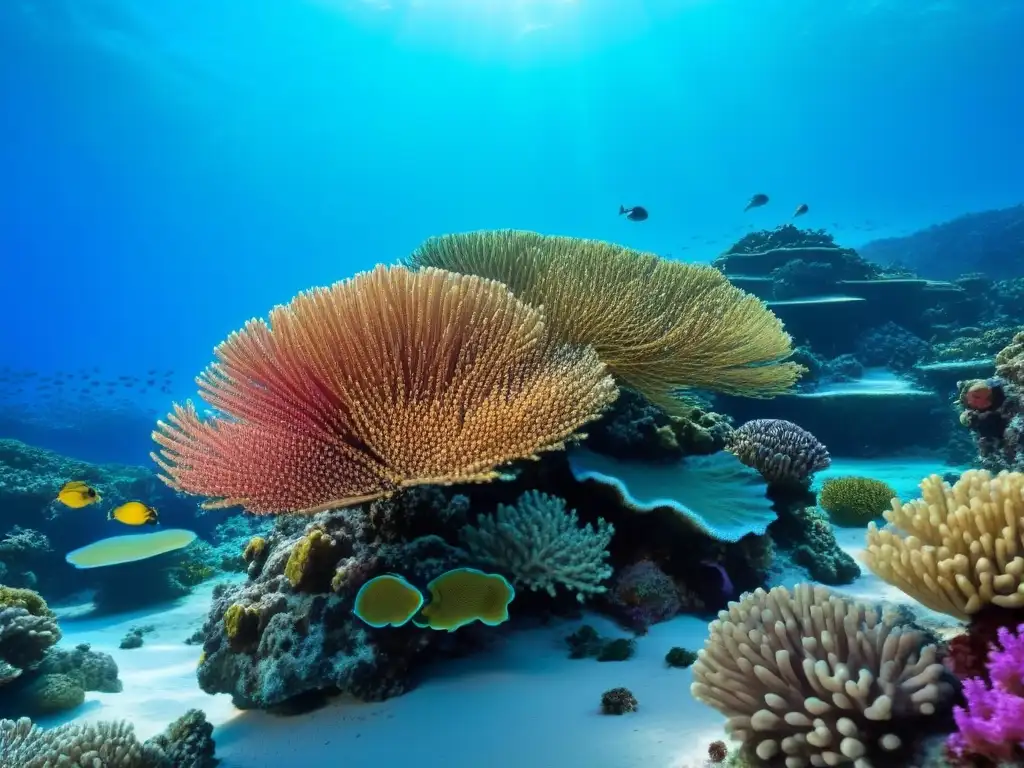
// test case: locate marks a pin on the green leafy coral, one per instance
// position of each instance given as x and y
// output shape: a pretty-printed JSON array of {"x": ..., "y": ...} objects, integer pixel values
[{"x": 853, "y": 501}]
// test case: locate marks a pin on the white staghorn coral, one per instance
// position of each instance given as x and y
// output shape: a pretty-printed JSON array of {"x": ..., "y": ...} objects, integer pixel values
[
  {"x": 540, "y": 545},
  {"x": 813, "y": 679}
]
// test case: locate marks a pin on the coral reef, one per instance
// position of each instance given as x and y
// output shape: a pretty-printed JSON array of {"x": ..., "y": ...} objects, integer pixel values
[
  {"x": 781, "y": 451},
  {"x": 268, "y": 643},
  {"x": 853, "y": 501},
  {"x": 818, "y": 679},
  {"x": 187, "y": 743},
  {"x": 635, "y": 428},
  {"x": 806, "y": 535},
  {"x": 31, "y": 552},
  {"x": 381, "y": 360},
  {"x": 618, "y": 701},
  {"x": 540, "y": 545},
  {"x": 891, "y": 346},
  {"x": 661, "y": 326},
  {"x": 771, "y": 252},
  {"x": 988, "y": 241},
  {"x": 24, "y": 640},
  {"x": 956, "y": 549},
  {"x": 993, "y": 410}
]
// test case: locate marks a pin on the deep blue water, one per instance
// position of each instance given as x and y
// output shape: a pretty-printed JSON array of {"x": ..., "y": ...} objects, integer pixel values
[{"x": 168, "y": 170}]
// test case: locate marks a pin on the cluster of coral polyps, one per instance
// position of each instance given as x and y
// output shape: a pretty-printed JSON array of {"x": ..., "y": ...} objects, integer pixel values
[
  {"x": 993, "y": 409},
  {"x": 809, "y": 678}
]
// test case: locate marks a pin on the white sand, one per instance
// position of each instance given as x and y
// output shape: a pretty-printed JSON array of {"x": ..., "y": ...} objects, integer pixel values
[{"x": 521, "y": 703}]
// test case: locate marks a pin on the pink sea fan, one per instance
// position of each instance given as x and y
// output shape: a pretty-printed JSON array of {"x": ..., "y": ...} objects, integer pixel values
[{"x": 992, "y": 724}]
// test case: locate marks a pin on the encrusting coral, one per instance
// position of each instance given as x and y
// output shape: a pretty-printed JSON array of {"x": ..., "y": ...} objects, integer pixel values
[
  {"x": 784, "y": 453},
  {"x": 388, "y": 380},
  {"x": 659, "y": 325},
  {"x": 811, "y": 678},
  {"x": 266, "y": 642},
  {"x": 956, "y": 549},
  {"x": 541, "y": 545},
  {"x": 855, "y": 501}
]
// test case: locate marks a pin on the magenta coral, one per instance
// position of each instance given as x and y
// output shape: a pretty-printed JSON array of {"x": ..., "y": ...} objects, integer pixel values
[
  {"x": 645, "y": 594},
  {"x": 992, "y": 724}
]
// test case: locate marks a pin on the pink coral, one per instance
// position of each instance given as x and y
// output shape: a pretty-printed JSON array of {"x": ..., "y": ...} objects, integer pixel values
[{"x": 992, "y": 724}]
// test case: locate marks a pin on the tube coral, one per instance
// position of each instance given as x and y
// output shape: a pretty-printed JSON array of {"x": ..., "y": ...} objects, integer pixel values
[
  {"x": 388, "y": 380},
  {"x": 660, "y": 325},
  {"x": 811, "y": 678},
  {"x": 956, "y": 549}
]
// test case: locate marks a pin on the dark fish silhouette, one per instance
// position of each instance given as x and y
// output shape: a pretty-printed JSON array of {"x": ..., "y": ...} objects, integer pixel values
[
  {"x": 757, "y": 201},
  {"x": 636, "y": 213},
  {"x": 800, "y": 210}
]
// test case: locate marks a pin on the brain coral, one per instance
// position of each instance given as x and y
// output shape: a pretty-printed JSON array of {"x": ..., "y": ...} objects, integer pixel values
[
  {"x": 780, "y": 450},
  {"x": 660, "y": 325},
  {"x": 855, "y": 501},
  {"x": 810, "y": 678},
  {"x": 385, "y": 381},
  {"x": 956, "y": 549}
]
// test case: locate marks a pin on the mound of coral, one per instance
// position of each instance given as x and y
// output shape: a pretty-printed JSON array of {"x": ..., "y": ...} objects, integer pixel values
[
  {"x": 187, "y": 743},
  {"x": 810, "y": 678},
  {"x": 36, "y": 677}
]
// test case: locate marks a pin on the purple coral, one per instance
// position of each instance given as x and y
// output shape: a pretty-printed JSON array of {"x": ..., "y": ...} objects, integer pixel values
[
  {"x": 992, "y": 724},
  {"x": 645, "y": 594},
  {"x": 781, "y": 451}
]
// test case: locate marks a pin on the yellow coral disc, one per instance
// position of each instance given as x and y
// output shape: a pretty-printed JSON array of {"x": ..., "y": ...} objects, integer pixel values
[
  {"x": 464, "y": 595},
  {"x": 387, "y": 600}
]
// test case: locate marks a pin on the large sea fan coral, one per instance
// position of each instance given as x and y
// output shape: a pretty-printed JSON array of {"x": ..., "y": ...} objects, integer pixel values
[
  {"x": 661, "y": 326},
  {"x": 956, "y": 549},
  {"x": 388, "y": 380},
  {"x": 780, "y": 450},
  {"x": 811, "y": 678}
]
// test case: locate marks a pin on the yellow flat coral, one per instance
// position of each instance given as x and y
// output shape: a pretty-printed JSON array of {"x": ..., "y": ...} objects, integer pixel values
[
  {"x": 387, "y": 600},
  {"x": 464, "y": 595}
]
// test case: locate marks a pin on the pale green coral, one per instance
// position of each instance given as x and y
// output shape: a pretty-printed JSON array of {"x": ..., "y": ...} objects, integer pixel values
[
  {"x": 242, "y": 625},
  {"x": 254, "y": 549},
  {"x": 540, "y": 545},
  {"x": 307, "y": 558}
]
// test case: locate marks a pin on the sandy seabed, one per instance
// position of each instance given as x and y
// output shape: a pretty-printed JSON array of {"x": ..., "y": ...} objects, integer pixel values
[{"x": 522, "y": 702}]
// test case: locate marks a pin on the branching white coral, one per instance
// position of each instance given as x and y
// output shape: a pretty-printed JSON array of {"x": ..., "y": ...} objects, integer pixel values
[{"x": 540, "y": 544}]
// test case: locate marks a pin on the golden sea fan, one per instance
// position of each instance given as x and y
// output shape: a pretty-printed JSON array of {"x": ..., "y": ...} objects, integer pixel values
[
  {"x": 388, "y": 380},
  {"x": 661, "y": 326}
]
